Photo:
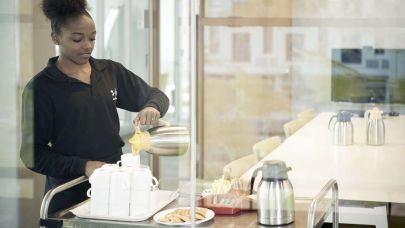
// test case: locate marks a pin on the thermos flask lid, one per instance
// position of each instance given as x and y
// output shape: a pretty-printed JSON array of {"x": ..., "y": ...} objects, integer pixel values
[
  {"x": 341, "y": 117},
  {"x": 344, "y": 116},
  {"x": 275, "y": 169}
]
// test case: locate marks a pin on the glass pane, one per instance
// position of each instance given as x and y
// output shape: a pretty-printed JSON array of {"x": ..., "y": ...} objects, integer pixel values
[
  {"x": 123, "y": 33},
  {"x": 123, "y": 38},
  {"x": 259, "y": 79},
  {"x": 175, "y": 81},
  {"x": 247, "y": 93},
  {"x": 174, "y": 54},
  {"x": 9, "y": 123}
]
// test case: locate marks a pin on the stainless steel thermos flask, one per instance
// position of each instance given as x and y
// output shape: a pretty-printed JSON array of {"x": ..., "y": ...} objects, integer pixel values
[
  {"x": 275, "y": 196},
  {"x": 342, "y": 128}
]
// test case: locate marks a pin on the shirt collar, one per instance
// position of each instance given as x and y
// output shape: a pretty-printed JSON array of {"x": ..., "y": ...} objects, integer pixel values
[
  {"x": 96, "y": 64},
  {"x": 58, "y": 75}
]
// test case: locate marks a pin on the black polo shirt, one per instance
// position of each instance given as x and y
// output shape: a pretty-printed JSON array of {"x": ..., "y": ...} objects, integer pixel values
[{"x": 66, "y": 122}]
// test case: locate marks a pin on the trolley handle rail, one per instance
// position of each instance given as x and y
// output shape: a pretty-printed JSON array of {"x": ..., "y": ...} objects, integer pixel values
[
  {"x": 332, "y": 184},
  {"x": 43, "y": 215}
]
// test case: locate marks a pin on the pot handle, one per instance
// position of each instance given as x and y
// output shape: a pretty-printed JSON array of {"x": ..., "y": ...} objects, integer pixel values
[
  {"x": 252, "y": 180},
  {"x": 330, "y": 121},
  {"x": 366, "y": 116}
]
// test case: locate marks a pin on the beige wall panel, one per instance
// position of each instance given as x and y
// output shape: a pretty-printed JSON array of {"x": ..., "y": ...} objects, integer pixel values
[
  {"x": 237, "y": 111},
  {"x": 26, "y": 6},
  {"x": 248, "y": 8}
]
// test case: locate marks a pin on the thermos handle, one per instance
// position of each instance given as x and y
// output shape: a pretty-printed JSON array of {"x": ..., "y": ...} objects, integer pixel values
[
  {"x": 163, "y": 123},
  {"x": 252, "y": 180},
  {"x": 366, "y": 115},
  {"x": 330, "y": 121},
  {"x": 137, "y": 126}
]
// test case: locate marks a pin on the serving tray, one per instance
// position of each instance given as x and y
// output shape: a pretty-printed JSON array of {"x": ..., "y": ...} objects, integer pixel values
[{"x": 164, "y": 197}]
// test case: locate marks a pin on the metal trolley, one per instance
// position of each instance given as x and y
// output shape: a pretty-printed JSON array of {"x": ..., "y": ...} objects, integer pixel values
[{"x": 310, "y": 213}]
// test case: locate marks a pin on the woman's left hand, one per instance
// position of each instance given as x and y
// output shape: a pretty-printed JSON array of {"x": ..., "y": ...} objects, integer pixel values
[
  {"x": 91, "y": 166},
  {"x": 148, "y": 116}
]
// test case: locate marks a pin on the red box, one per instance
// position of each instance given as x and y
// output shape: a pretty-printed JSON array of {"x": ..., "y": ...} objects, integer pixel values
[{"x": 226, "y": 204}]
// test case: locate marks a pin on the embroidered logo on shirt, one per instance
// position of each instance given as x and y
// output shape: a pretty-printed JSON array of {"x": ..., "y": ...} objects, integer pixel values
[{"x": 114, "y": 94}]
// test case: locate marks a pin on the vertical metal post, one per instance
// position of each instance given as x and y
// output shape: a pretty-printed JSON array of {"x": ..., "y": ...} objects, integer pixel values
[
  {"x": 332, "y": 184},
  {"x": 335, "y": 194},
  {"x": 200, "y": 88},
  {"x": 193, "y": 113},
  {"x": 154, "y": 45},
  {"x": 154, "y": 60}
]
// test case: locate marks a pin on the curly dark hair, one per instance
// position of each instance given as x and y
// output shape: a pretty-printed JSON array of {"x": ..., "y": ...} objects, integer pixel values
[{"x": 59, "y": 11}]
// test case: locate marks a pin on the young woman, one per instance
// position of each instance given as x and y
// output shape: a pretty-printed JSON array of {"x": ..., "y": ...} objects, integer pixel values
[{"x": 70, "y": 124}]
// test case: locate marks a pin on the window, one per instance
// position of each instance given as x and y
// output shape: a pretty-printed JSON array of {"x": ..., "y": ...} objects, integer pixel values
[
  {"x": 267, "y": 40},
  {"x": 372, "y": 63},
  {"x": 241, "y": 47},
  {"x": 214, "y": 35}
]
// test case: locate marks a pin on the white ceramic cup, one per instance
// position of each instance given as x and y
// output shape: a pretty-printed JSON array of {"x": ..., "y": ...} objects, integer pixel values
[
  {"x": 99, "y": 192},
  {"x": 142, "y": 183},
  {"x": 120, "y": 192},
  {"x": 140, "y": 202},
  {"x": 142, "y": 179},
  {"x": 154, "y": 198},
  {"x": 110, "y": 167},
  {"x": 129, "y": 160}
]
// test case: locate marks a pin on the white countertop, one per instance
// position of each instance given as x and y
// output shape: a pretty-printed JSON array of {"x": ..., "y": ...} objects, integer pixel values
[{"x": 363, "y": 172}]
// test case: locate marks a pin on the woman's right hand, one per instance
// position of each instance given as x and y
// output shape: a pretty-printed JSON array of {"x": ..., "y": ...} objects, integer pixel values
[
  {"x": 91, "y": 166},
  {"x": 148, "y": 116}
]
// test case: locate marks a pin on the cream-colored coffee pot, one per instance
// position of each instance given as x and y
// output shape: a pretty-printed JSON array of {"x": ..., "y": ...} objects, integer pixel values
[{"x": 375, "y": 128}]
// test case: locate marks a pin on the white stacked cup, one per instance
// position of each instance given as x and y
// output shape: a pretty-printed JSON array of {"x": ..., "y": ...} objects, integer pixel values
[
  {"x": 99, "y": 191},
  {"x": 129, "y": 160},
  {"x": 120, "y": 185},
  {"x": 120, "y": 192},
  {"x": 110, "y": 167},
  {"x": 141, "y": 185}
]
